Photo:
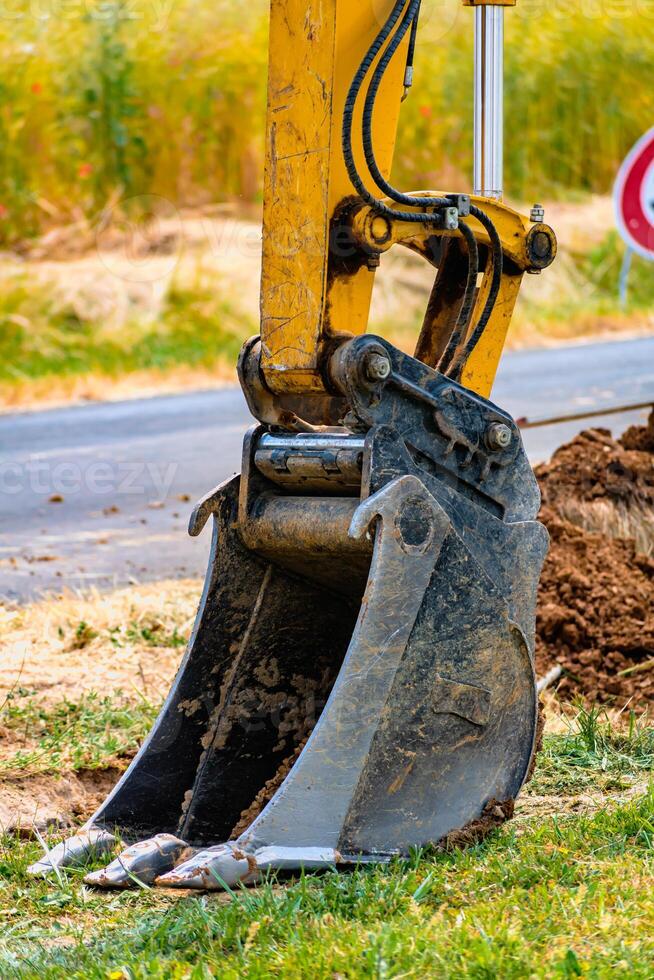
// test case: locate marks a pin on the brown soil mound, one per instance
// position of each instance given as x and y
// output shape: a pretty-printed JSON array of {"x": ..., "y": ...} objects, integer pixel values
[
  {"x": 594, "y": 466},
  {"x": 640, "y": 437},
  {"x": 596, "y": 601},
  {"x": 596, "y": 615}
]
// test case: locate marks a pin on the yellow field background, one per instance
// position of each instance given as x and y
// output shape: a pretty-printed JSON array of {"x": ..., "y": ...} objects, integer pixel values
[{"x": 99, "y": 99}]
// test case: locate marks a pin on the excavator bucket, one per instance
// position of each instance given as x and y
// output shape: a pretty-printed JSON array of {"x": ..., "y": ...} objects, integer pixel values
[{"x": 360, "y": 677}]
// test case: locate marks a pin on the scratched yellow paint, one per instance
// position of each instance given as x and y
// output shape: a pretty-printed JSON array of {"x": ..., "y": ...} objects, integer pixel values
[{"x": 316, "y": 47}]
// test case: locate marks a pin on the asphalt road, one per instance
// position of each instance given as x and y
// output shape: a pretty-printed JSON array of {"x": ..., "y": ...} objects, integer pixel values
[{"x": 99, "y": 495}]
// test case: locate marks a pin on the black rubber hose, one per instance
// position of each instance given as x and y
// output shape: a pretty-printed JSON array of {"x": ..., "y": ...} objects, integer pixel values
[
  {"x": 462, "y": 324},
  {"x": 461, "y": 359},
  {"x": 454, "y": 357},
  {"x": 348, "y": 114},
  {"x": 412, "y": 38},
  {"x": 411, "y": 11},
  {"x": 421, "y": 202}
]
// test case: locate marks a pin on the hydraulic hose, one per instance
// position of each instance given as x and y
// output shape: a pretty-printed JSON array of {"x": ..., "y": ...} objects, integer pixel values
[
  {"x": 462, "y": 324},
  {"x": 455, "y": 355},
  {"x": 460, "y": 360},
  {"x": 350, "y": 102},
  {"x": 408, "y": 20}
]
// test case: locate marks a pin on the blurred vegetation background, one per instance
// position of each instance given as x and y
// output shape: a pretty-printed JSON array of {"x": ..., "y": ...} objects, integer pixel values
[
  {"x": 168, "y": 97},
  {"x": 131, "y": 164}
]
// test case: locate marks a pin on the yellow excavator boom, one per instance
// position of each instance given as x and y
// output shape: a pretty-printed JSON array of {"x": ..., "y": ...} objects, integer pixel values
[{"x": 310, "y": 292}]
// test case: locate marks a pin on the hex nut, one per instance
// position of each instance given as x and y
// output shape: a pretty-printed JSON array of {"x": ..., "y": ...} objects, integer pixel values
[
  {"x": 377, "y": 366},
  {"x": 498, "y": 436}
]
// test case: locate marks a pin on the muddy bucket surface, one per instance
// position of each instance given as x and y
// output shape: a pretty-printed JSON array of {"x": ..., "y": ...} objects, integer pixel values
[{"x": 360, "y": 679}]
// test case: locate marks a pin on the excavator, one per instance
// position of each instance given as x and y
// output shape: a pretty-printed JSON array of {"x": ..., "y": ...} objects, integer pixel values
[{"x": 360, "y": 677}]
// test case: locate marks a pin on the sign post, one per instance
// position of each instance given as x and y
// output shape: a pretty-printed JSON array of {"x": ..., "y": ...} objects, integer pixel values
[{"x": 633, "y": 200}]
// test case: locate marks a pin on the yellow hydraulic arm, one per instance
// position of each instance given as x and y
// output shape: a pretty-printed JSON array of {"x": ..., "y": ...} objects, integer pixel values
[{"x": 322, "y": 242}]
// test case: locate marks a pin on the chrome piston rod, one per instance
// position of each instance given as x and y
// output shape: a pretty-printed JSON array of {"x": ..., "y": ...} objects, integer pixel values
[{"x": 489, "y": 101}]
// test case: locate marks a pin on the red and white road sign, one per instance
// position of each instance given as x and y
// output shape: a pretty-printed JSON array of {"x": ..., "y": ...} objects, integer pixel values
[{"x": 633, "y": 196}]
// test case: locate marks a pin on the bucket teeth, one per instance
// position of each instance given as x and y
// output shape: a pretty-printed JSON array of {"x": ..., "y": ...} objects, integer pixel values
[
  {"x": 227, "y": 865},
  {"x": 212, "y": 869},
  {"x": 139, "y": 864},
  {"x": 275, "y": 858},
  {"x": 73, "y": 852}
]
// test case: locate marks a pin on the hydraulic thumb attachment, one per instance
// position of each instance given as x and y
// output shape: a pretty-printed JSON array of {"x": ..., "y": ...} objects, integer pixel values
[{"x": 360, "y": 676}]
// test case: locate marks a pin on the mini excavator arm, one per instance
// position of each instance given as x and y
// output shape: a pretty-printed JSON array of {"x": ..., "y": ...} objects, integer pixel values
[
  {"x": 322, "y": 240},
  {"x": 360, "y": 677}
]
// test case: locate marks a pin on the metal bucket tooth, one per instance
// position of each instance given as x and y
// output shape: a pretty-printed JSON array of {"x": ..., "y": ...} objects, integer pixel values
[
  {"x": 140, "y": 864},
  {"x": 227, "y": 865},
  {"x": 73, "y": 852},
  {"x": 212, "y": 869}
]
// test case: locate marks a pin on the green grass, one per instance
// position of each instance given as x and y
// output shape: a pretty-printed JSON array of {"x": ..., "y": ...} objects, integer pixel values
[
  {"x": 43, "y": 336},
  {"x": 88, "y": 734},
  {"x": 594, "y": 285},
  {"x": 565, "y": 897},
  {"x": 601, "y": 268},
  {"x": 557, "y": 896},
  {"x": 586, "y": 299},
  {"x": 595, "y": 754},
  {"x": 113, "y": 101}
]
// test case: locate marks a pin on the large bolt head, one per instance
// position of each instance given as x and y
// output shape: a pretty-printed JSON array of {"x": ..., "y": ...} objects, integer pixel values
[
  {"x": 541, "y": 245},
  {"x": 498, "y": 436},
  {"x": 378, "y": 366},
  {"x": 380, "y": 229}
]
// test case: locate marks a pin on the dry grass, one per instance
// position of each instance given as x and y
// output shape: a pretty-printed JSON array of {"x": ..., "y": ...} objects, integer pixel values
[
  {"x": 81, "y": 680},
  {"x": 614, "y": 520},
  {"x": 140, "y": 309},
  {"x": 129, "y": 640}
]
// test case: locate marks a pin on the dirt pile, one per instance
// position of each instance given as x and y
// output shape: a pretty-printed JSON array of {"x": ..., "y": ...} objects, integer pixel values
[
  {"x": 596, "y": 601},
  {"x": 44, "y": 801},
  {"x": 596, "y": 467},
  {"x": 596, "y": 614},
  {"x": 640, "y": 437}
]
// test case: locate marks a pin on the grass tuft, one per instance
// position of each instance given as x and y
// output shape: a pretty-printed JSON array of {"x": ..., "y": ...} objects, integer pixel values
[
  {"x": 595, "y": 752},
  {"x": 91, "y": 733}
]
